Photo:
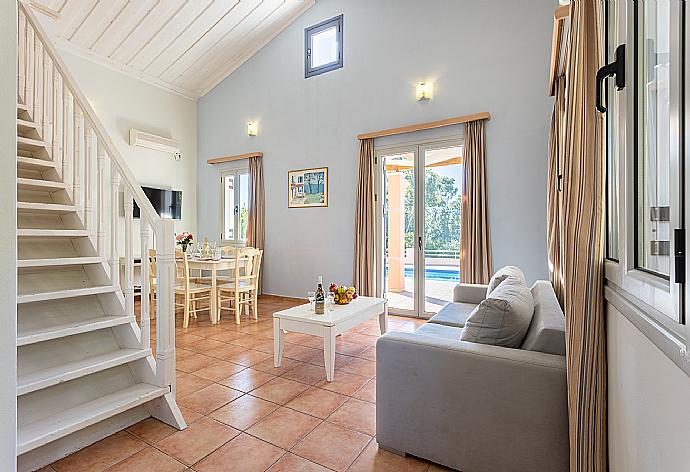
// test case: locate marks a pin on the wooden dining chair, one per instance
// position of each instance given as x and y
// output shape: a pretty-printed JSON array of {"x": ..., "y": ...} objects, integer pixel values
[
  {"x": 152, "y": 282},
  {"x": 190, "y": 292},
  {"x": 242, "y": 290}
]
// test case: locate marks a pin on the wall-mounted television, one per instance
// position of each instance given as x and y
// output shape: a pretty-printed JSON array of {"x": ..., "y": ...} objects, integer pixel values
[{"x": 168, "y": 203}]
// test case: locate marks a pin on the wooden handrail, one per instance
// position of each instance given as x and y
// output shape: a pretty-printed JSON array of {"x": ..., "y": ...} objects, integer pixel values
[
  {"x": 485, "y": 115},
  {"x": 220, "y": 160},
  {"x": 127, "y": 177}
]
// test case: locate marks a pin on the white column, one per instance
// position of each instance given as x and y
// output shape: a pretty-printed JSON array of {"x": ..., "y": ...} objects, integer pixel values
[{"x": 165, "y": 310}]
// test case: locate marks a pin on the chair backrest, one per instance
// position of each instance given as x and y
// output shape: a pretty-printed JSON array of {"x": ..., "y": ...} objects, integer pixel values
[
  {"x": 228, "y": 251},
  {"x": 152, "y": 267},
  {"x": 247, "y": 265},
  {"x": 181, "y": 269}
]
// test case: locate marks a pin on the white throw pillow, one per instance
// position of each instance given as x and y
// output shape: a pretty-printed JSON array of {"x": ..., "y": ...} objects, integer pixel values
[
  {"x": 503, "y": 318},
  {"x": 502, "y": 274}
]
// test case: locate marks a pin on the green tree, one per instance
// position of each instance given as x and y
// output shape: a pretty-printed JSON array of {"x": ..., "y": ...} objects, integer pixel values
[{"x": 442, "y": 212}]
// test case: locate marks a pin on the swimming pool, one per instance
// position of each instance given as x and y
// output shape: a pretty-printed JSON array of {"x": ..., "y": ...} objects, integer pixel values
[{"x": 449, "y": 274}]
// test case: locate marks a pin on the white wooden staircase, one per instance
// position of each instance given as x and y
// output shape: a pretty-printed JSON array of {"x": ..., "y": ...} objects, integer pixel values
[{"x": 85, "y": 366}]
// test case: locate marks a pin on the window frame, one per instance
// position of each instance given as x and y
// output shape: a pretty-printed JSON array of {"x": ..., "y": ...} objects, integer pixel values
[
  {"x": 309, "y": 32},
  {"x": 237, "y": 172}
]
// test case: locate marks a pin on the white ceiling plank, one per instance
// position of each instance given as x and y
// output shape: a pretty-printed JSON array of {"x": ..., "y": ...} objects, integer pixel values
[
  {"x": 98, "y": 21},
  {"x": 166, "y": 36},
  {"x": 211, "y": 39},
  {"x": 123, "y": 25},
  {"x": 199, "y": 29},
  {"x": 76, "y": 15},
  {"x": 147, "y": 29},
  {"x": 266, "y": 36},
  {"x": 202, "y": 67}
]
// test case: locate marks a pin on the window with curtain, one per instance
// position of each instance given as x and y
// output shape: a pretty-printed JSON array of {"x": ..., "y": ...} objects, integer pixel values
[{"x": 235, "y": 205}]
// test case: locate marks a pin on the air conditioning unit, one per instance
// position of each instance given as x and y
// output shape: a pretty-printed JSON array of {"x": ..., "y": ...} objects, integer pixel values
[{"x": 151, "y": 141}]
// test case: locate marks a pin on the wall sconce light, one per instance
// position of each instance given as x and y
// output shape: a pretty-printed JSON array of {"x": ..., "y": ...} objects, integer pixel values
[
  {"x": 425, "y": 91},
  {"x": 252, "y": 128}
]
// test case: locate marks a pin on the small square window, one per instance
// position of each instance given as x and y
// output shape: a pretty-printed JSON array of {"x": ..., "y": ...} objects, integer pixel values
[{"x": 323, "y": 47}]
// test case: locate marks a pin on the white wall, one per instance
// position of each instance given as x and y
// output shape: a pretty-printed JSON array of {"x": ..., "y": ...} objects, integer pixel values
[
  {"x": 648, "y": 402},
  {"x": 483, "y": 56},
  {"x": 122, "y": 102},
  {"x": 8, "y": 235}
]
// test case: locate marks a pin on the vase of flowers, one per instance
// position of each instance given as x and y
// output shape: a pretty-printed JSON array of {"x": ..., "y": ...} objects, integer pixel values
[{"x": 184, "y": 240}]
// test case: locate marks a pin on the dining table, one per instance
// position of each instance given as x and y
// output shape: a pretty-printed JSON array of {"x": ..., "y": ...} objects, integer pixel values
[{"x": 213, "y": 266}]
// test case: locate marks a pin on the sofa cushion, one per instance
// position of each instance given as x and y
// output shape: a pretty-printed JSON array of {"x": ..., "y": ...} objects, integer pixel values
[
  {"x": 502, "y": 274},
  {"x": 439, "y": 331},
  {"x": 547, "y": 331},
  {"x": 453, "y": 314},
  {"x": 503, "y": 318}
]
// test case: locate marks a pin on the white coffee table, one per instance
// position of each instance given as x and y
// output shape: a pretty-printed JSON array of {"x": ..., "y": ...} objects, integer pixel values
[{"x": 340, "y": 318}]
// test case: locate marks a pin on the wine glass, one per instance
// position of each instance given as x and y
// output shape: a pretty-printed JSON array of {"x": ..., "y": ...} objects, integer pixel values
[
  {"x": 312, "y": 297},
  {"x": 330, "y": 296}
]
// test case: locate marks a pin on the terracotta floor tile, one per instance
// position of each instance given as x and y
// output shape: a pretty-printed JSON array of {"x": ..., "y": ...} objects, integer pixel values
[
  {"x": 306, "y": 373},
  {"x": 350, "y": 349},
  {"x": 204, "y": 345},
  {"x": 373, "y": 458},
  {"x": 340, "y": 360},
  {"x": 363, "y": 367},
  {"x": 344, "y": 383},
  {"x": 181, "y": 353},
  {"x": 198, "y": 440},
  {"x": 149, "y": 460},
  {"x": 190, "y": 416},
  {"x": 369, "y": 353},
  {"x": 195, "y": 362},
  {"x": 356, "y": 414},
  {"x": 101, "y": 455},
  {"x": 225, "y": 351},
  {"x": 332, "y": 446},
  {"x": 225, "y": 336},
  {"x": 368, "y": 392},
  {"x": 218, "y": 371},
  {"x": 210, "y": 398},
  {"x": 247, "y": 380},
  {"x": 186, "y": 339},
  {"x": 243, "y": 454},
  {"x": 151, "y": 430},
  {"x": 300, "y": 353},
  {"x": 188, "y": 384},
  {"x": 249, "y": 358},
  {"x": 280, "y": 390},
  {"x": 244, "y": 412},
  {"x": 266, "y": 346},
  {"x": 292, "y": 463},
  {"x": 360, "y": 338},
  {"x": 284, "y": 427},
  {"x": 285, "y": 365},
  {"x": 317, "y": 402},
  {"x": 248, "y": 340}
]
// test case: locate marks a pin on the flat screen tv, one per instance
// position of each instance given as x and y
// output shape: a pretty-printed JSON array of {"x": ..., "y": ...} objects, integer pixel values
[{"x": 168, "y": 203}]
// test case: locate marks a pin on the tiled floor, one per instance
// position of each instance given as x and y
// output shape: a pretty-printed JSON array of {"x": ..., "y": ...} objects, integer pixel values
[{"x": 245, "y": 415}]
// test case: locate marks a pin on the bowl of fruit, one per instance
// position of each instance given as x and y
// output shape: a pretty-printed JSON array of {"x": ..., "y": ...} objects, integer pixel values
[{"x": 342, "y": 295}]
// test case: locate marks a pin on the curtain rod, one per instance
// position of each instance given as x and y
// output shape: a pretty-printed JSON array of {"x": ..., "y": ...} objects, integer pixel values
[
  {"x": 485, "y": 115},
  {"x": 220, "y": 160}
]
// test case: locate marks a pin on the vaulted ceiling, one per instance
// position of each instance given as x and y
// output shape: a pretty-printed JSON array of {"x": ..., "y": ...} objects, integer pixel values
[{"x": 186, "y": 46}]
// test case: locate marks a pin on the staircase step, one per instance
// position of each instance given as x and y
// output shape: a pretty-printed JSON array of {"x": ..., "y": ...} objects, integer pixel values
[
  {"x": 71, "y": 293},
  {"x": 25, "y": 126},
  {"x": 41, "y": 379},
  {"x": 58, "y": 261},
  {"x": 31, "y": 207},
  {"x": 74, "y": 419},
  {"x": 31, "y": 163},
  {"x": 22, "y": 110},
  {"x": 52, "y": 233},
  {"x": 60, "y": 329},
  {"x": 40, "y": 185},
  {"x": 28, "y": 144}
]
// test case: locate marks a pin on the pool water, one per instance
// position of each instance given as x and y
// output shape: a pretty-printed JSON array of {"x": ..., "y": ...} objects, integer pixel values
[{"x": 449, "y": 275}]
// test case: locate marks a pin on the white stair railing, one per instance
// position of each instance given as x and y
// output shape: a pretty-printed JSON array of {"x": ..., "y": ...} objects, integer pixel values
[{"x": 82, "y": 150}]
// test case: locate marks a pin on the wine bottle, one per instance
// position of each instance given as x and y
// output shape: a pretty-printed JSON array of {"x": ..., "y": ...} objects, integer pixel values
[{"x": 320, "y": 298}]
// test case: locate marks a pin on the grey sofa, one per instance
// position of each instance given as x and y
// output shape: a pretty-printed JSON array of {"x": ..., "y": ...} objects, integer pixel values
[{"x": 476, "y": 407}]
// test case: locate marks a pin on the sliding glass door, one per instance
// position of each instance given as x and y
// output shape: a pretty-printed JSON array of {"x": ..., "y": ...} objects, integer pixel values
[{"x": 420, "y": 189}]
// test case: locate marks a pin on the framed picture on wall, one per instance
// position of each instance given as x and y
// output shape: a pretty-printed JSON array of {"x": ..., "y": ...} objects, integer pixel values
[{"x": 308, "y": 188}]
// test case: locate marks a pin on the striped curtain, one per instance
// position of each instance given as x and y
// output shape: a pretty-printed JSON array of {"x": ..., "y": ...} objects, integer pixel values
[
  {"x": 475, "y": 238},
  {"x": 255, "y": 217},
  {"x": 580, "y": 212},
  {"x": 554, "y": 213},
  {"x": 364, "y": 270}
]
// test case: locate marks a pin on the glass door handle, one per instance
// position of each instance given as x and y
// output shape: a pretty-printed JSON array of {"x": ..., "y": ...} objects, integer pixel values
[
  {"x": 616, "y": 68},
  {"x": 419, "y": 243}
]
